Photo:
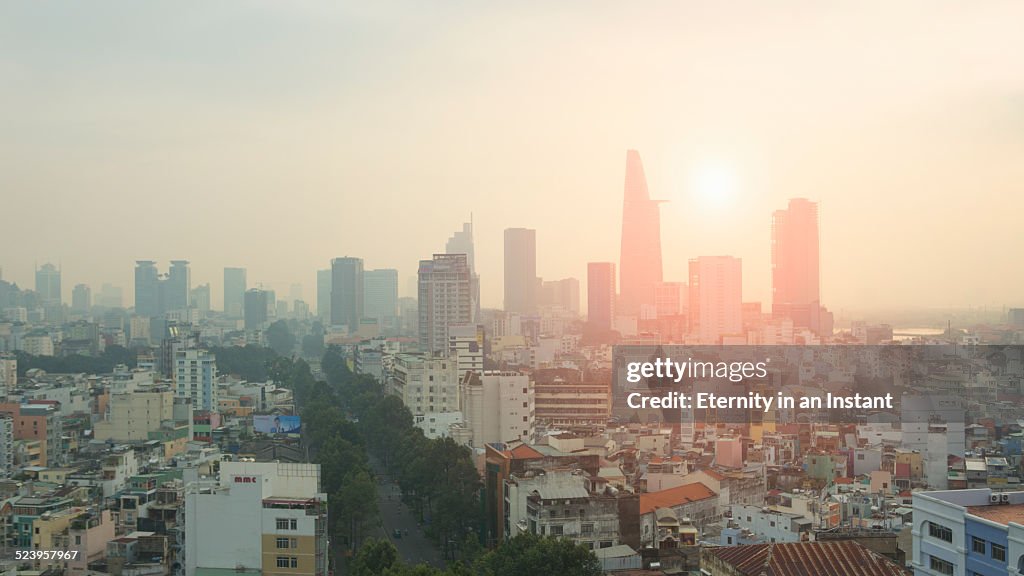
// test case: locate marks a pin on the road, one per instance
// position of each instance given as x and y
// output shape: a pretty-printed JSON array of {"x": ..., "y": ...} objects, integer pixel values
[{"x": 414, "y": 547}]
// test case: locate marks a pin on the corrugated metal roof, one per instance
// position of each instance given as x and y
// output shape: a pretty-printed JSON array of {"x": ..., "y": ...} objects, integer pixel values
[{"x": 843, "y": 558}]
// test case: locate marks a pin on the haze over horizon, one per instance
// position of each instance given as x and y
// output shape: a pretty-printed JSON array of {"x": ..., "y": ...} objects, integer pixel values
[{"x": 278, "y": 136}]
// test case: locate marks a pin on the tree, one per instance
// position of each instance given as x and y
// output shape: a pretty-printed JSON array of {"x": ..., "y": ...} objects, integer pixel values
[
  {"x": 248, "y": 362},
  {"x": 355, "y": 506},
  {"x": 280, "y": 338},
  {"x": 535, "y": 555},
  {"x": 374, "y": 557},
  {"x": 313, "y": 343}
]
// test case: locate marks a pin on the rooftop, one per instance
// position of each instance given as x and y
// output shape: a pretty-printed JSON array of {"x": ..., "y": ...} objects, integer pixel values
[
  {"x": 674, "y": 497},
  {"x": 1001, "y": 514},
  {"x": 802, "y": 558}
]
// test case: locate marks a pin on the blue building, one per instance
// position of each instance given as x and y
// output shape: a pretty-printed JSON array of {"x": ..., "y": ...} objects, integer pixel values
[{"x": 968, "y": 533}]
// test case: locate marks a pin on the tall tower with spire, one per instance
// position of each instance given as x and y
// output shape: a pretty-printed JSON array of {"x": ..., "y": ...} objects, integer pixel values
[{"x": 640, "y": 258}]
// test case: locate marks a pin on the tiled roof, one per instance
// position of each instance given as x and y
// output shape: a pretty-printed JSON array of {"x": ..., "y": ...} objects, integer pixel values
[
  {"x": 843, "y": 558},
  {"x": 674, "y": 497}
]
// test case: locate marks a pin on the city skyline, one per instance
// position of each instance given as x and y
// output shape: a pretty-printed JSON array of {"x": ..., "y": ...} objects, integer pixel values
[{"x": 910, "y": 143}]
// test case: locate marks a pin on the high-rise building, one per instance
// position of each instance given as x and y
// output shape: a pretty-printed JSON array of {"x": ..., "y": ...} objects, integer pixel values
[
  {"x": 110, "y": 296},
  {"x": 445, "y": 298},
  {"x": 601, "y": 295},
  {"x": 795, "y": 277},
  {"x": 81, "y": 299},
  {"x": 200, "y": 297},
  {"x": 177, "y": 286},
  {"x": 147, "y": 288},
  {"x": 425, "y": 384},
  {"x": 347, "y": 292},
  {"x": 670, "y": 298},
  {"x": 256, "y": 305},
  {"x": 234, "y": 292},
  {"x": 6, "y": 445},
  {"x": 461, "y": 242},
  {"x": 380, "y": 296},
  {"x": 261, "y": 517},
  {"x": 716, "y": 298},
  {"x": 640, "y": 258},
  {"x": 48, "y": 284},
  {"x": 323, "y": 294},
  {"x": 561, "y": 294},
  {"x": 521, "y": 282},
  {"x": 195, "y": 378},
  {"x": 498, "y": 407}
]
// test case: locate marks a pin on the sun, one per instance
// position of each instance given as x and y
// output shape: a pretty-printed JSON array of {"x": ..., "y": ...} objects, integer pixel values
[{"x": 714, "y": 185}]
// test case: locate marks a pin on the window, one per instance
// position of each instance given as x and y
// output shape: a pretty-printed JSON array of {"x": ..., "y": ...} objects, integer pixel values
[
  {"x": 556, "y": 530},
  {"x": 977, "y": 545},
  {"x": 941, "y": 566},
  {"x": 294, "y": 524},
  {"x": 294, "y": 542},
  {"x": 939, "y": 531},
  {"x": 282, "y": 561},
  {"x": 587, "y": 529},
  {"x": 282, "y": 543},
  {"x": 294, "y": 562},
  {"x": 999, "y": 552}
]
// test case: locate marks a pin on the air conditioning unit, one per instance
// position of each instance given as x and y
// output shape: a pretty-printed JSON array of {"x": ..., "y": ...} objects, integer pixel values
[
  {"x": 993, "y": 498},
  {"x": 1004, "y": 498}
]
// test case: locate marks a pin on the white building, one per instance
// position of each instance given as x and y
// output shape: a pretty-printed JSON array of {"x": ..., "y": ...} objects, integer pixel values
[
  {"x": 262, "y": 516},
  {"x": 195, "y": 376},
  {"x": 6, "y": 445},
  {"x": 425, "y": 384},
  {"x": 466, "y": 346},
  {"x": 498, "y": 407}
]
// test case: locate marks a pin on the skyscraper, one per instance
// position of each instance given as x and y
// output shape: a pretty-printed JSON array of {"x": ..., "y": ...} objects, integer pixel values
[
  {"x": 200, "y": 297},
  {"x": 640, "y": 258},
  {"x": 561, "y": 294},
  {"x": 795, "y": 279},
  {"x": 601, "y": 294},
  {"x": 445, "y": 298},
  {"x": 256, "y": 304},
  {"x": 177, "y": 286},
  {"x": 48, "y": 284},
  {"x": 147, "y": 288},
  {"x": 323, "y": 294},
  {"x": 521, "y": 282},
  {"x": 716, "y": 298},
  {"x": 380, "y": 296},
  {"x": 81, "y": 298},
  {"x": 347, "y": 292},
  {"x": 461, "y": 242},
  {"x": 195, "y": 377},
  {"x": 234, "y": 291}
]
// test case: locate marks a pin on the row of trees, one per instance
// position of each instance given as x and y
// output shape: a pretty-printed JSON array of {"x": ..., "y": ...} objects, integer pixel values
[
  {"x": 349, "y": 416},
  {"x": 525, "y": 554}
]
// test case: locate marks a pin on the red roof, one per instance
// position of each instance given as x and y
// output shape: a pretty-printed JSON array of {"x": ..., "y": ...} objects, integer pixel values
[
  {"x": 842, "y": 558},
  {"x": 844, "y": 480},
  {"x": 674, "y": 497},
  {"x": 714, "y": 474},
  {"x": 524, "y": 451}
]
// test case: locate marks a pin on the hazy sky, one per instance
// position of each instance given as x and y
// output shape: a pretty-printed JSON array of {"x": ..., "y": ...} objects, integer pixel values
[{"x": 276, "y": 135}]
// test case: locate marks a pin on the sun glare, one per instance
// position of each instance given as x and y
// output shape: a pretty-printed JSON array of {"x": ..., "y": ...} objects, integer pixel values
[{"x": 713, "y": 185}]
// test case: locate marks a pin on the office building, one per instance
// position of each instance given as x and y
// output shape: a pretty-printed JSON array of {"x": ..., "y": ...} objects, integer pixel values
[
  {"x": 445, "y": 298},
  {"x": 716, "y": 298},
  {"x": 323, "y": 294},
  {"x": 640, "y": 269},
  {"x": 81, "y": 299},
  {"x": 425, "y": 385},
  {"x": 48, "y": 284},
  {"x": 561, "y": 295},
  {"x": 234, "y": 292},
  {"x": 347, "y": 304},
  {"x": 521, "y": 282},
  {"x": 195, "y": 378},
  {"x": 795, "y": 262},
  {"x": 262, "y": 517},
  {"x": 466, "y": 347},
  {"x": 256, "y": 306},
  {"x": 461, "y": 242},
  {"x": 177, "y": 286},
  {"x": 380, "y": 296},
  {"x": 601, "y": 295},
  {"x": 200, "y": 297},
  {"x": 147, "y": 289},
  {"x": 133, "y": 415},
  {"x": 8, "y": 372}
]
